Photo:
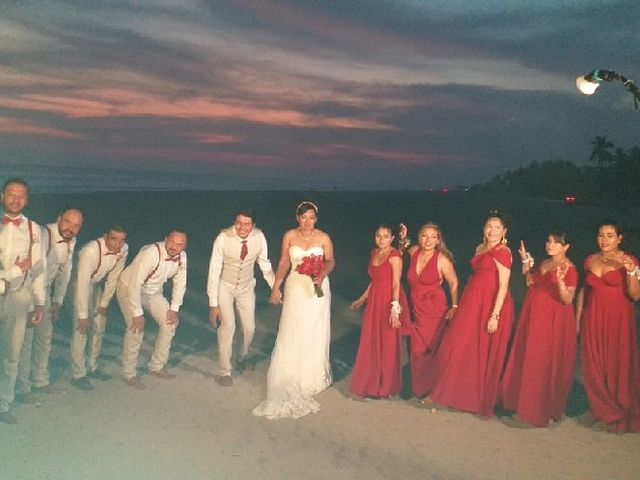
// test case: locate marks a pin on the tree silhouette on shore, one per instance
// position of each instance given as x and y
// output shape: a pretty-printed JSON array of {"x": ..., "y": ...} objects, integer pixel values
[{"x": 615, "y": 177}]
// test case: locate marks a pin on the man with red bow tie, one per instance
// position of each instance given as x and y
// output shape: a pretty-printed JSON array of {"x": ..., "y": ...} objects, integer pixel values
[
  {"x": 140, "y": 288},
  {"x": 231, "y": 286},
  {"x": 58, "y": 243},
  {"x": 100, "y": 264},
  {"x": 22, "y": 284}
]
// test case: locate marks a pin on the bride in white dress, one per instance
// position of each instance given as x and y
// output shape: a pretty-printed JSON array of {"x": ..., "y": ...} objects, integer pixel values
[{"x": 299, "y": 366}]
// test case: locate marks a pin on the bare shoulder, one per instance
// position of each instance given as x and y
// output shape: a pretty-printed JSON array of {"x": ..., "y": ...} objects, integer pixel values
[
  {"x": 444, "y": 261},
  {"x": 288, "y": 234},
  {"x": 323, "y": 235}
]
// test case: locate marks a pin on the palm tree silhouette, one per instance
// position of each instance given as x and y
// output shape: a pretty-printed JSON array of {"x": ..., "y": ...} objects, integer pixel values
[{"x": 600, "y": 152}]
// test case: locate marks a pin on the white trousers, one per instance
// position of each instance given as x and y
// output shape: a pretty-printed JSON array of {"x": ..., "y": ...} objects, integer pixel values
[
  {"x": 81, "y": 359},
  {"x": 34, "y": 355},
  {"x": 157, "y": 306},
  {"x": 230, "y": 300},
  {"x": 14, "y": 312}
]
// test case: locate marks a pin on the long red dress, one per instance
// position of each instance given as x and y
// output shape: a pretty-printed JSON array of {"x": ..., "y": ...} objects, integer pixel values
[
  {"x": 609, "y": 351},
  {"x": 539, "y": 372},
  {"x": 377, "y": 371},
  {"x": 470, "y": 361},
  {"x": 429, "y": 307}
]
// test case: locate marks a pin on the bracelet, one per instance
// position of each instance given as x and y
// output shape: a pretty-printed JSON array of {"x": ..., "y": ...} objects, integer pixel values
[
  {"x": 528, "y": 259},
  {"x": 494, "y": 315},
  {"x": 455, "y": 305},
  {"x": 635, "y": 271},
  {"x": 396, "y": 308}
]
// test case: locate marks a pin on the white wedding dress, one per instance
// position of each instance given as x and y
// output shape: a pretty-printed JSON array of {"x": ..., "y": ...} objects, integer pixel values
[{"x": 299, "y": 366}]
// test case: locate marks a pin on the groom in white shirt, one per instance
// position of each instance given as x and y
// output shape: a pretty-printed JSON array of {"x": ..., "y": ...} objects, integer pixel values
[{"x": 231, "y": 282}]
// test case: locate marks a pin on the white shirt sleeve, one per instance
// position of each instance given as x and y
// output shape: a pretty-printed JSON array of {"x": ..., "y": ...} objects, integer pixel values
[
  {"x": 215, "y": 270},
  {"x": 39, "y": 268},
  {"x": 62, "y": 280},
  {"x": 140, "y": 270},
  {"x": 87, "y": 264},
  {"x": 179, "y": 284},
  {"x": 112, "y": 278},
  {"x": 264, "y": 263}
]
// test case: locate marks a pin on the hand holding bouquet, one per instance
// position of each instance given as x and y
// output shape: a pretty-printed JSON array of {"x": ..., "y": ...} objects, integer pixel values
[{"x": 312, "y": 266}]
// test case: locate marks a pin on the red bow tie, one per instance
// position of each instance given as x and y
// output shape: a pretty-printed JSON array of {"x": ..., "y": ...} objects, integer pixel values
[
  {"x": 172, "y": 259},
  {"x": 16, "y": 221},
  {"x": 64, "y": 240}
]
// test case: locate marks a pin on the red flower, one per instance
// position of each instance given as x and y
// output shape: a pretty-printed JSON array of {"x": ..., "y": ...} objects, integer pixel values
[{"x": 312, "y": 266}]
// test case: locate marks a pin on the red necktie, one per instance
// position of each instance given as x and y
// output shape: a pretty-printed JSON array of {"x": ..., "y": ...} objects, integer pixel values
[
  {"x": 244, "y": 250},
  {"x": 16, "y": 221}
]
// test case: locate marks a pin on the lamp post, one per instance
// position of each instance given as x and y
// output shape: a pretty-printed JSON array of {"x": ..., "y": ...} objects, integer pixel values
[{"x": 588, "y": 83}]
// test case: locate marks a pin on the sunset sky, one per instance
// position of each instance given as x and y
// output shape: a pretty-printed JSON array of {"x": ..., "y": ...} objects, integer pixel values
[{"x": 381, "y": 94}]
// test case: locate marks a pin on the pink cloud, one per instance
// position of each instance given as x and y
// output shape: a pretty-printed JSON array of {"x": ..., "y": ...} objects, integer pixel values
[
  {"x": 16, "y": 127},
  {"x": 127, "y": 103},
  {"x": 215, "y": 139},
  {"x": 385, "y": 155}
]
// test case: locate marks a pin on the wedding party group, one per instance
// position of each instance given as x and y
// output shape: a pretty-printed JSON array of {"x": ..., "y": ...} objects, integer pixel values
[
  {"x": 466, "y": 350},
  {"x": 36, "y": 270}
]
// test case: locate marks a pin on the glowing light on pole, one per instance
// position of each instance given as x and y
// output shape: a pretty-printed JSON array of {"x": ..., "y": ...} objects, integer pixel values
[{"x": 590, "y": 82}]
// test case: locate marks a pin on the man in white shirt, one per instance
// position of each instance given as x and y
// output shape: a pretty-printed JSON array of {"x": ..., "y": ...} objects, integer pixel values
[
  {"x": 140, "y": 288},
  {"x": 100, "y": 264},
  {"x": 58, "y": 244},
  {"x": 231, "y": 281},
  {"x": 22, "y": 285}
]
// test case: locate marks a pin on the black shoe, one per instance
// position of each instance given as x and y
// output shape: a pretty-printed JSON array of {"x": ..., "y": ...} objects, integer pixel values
[
  {"x": 162, "y": 373},
  {"x": 82, "y": 383},
  {"x": 48, "y": 389},
  {"x": 225, "y": 381},
  {"x": 8, "y": 418},
  {"x": 134, "y": 382},
  {"x": 248, "y": 363},
  {"x": 26, "y": 398},
  {"x": 99, "y": 375}
]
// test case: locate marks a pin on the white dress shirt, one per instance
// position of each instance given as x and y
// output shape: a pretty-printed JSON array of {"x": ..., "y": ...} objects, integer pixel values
[
  {"x": 226, "y": 266},
  {"x": 148, "y": 273},
  {"x": 18, "y": 242},
  {"x": 95, "y": 262},
  {"x": 59, "y": 254}
]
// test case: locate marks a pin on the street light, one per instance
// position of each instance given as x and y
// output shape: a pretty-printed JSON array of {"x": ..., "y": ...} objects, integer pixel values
[{"x": 588, "y": 83}]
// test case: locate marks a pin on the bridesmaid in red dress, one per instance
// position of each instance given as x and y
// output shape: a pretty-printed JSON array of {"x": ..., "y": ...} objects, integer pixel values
[
  {"x": 378, "y": 367},
  {"x": 608, "y": 333},
  {"x": 539, "y": 372},
  {"x": 470, "y": 359},
  {"x": 430, "y": 263}
]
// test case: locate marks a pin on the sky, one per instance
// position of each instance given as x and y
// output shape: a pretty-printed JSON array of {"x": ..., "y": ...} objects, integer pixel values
[{"x": 302, "y": 94}]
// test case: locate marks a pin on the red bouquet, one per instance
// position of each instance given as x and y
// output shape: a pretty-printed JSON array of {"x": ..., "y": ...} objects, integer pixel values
[{"x": 312, "y": 266}]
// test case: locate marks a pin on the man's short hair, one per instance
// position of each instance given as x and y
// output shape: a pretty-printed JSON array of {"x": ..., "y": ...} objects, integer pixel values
[
  {"x": 247, "y": 212},
  {"x": 177, "y": 230},
  {"x": 116, "y": 228},
  {"x": 16, "y": 180}
]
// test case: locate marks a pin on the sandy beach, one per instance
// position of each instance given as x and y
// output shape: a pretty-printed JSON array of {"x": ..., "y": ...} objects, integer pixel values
[{"x": 191, "y": 428}]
